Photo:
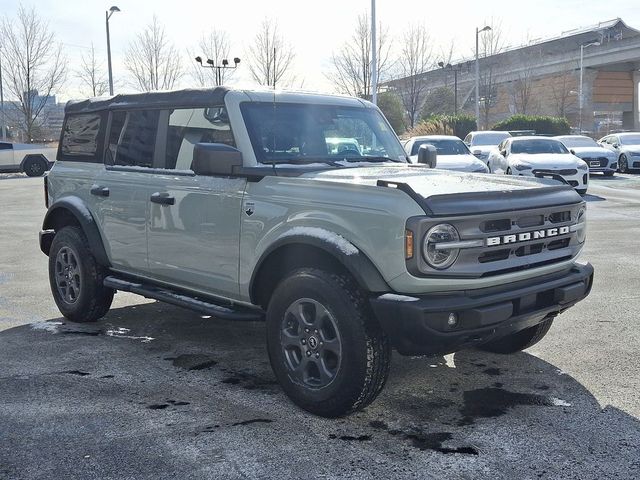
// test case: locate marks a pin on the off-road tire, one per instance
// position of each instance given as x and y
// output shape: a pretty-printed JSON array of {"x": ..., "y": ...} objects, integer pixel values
[
  {"x": 34, "y": 167},
  {"x": 94, "y": 299},
  {"x": 365, "y": 352},
  {"x": 520, "y": 340}
]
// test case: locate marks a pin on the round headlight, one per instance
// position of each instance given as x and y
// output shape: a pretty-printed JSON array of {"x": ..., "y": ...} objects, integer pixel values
[
  {"x": 581, "y": 232},
  {"x": 438, "y": 257}
]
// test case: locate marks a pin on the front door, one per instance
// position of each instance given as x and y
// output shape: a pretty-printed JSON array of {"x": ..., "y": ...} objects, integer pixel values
[{"x": 194, "y": 221}]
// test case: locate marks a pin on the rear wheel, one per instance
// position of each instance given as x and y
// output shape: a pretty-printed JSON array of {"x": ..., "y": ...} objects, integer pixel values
[
  {"x": 76, "y": 279},
  {"x": 623, "y": 165},
  {"x": 326, "y": 351},
  {"x": 519, "y": 340},
  {"x": 34, "y": 166}
]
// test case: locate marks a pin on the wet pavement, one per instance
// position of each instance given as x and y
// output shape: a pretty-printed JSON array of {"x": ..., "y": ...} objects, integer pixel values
[{"x": 154, "y": 391}]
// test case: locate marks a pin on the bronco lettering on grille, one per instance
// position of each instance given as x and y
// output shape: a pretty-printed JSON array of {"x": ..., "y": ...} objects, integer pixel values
[{"x": 526, "y": 236}]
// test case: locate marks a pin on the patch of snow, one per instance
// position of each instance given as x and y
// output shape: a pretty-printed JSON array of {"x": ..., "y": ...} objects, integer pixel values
[
  {"x": 558, "y": 402},
  {"x": 46, "y": 326},
  {"x": 449, "y": 360},
  {"x": 121, "y": 332},
  {"x": 397, "y": 298},
  {"x": 343, "y": 245}
]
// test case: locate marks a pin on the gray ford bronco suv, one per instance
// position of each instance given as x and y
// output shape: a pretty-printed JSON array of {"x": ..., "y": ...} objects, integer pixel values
[{"x": 242, "y": 205}]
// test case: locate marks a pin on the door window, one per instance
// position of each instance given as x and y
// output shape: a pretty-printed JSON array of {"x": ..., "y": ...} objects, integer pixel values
[
  {"x": 132, "y": 138},
  {"x": 6, "y": 146},
  {"x": 189, "y": 126},
  {"x": 80, "y": 136}
]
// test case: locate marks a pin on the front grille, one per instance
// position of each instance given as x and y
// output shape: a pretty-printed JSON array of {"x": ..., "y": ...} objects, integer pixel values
[
  {"x": 566, "y": 171},
  {"x": 636, "y": 165},
  {"x": 509, "y": 241}
]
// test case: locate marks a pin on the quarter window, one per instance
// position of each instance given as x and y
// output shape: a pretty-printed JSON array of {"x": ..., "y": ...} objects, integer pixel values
[
  {"x": 132, "y": 138},
  {"x": 195, "y": 125},
  {"x": 80, "y": 135}
]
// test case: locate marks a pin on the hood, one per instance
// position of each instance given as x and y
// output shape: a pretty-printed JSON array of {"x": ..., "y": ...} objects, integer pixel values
[
  {"x": 442, "y": 192},
  {"x": 547, "y": 160},
  {"x": 484, "y": 149},
  {"x": 458, "y": 163},
  {"x": 630, "y": 148},
  {"x": 592, "y": 152}
]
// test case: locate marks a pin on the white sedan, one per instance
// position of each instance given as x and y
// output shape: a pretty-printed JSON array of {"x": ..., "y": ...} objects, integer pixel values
[
  {"x": 481, "y": 144},
  {"x": 531, "y": 156},
  {"x": 453, "y": 154}
]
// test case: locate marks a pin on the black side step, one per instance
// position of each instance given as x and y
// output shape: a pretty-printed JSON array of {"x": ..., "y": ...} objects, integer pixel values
[{"x": 227, "y": 312}]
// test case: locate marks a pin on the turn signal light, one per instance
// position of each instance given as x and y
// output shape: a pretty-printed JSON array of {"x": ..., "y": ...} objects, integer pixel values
[{"x": 408, "y": 244}]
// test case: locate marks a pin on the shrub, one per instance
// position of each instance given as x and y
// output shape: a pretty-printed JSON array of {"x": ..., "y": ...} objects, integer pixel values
[
  {"x": 541, "y": 124},
  {"x": 458, "y": 125}
]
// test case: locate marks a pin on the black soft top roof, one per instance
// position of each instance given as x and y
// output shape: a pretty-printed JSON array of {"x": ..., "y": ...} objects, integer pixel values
[{"x": 178, "y": 98}]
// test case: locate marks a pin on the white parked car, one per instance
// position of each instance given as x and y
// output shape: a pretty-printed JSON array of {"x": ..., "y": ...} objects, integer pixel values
[
  {"x": 626, "y": 147},
  {"x": 531, "y": 156},
  {"x": 598, "y": 158},
  {"x": 453, "y": 154},
  {"x": 481, "y": 144},
  {"x": 31, "y": 159}
]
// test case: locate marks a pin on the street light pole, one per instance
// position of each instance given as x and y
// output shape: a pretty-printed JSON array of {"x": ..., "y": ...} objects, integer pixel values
[
  {"x": 580, "y": 95},
  {"x": 478, "y": 31},
  {"x": 374, "y": 59},
  {"x": 2, "y": 117},
  {"x": 225, "y": 65},
  {"x": 108, "y": 14}
]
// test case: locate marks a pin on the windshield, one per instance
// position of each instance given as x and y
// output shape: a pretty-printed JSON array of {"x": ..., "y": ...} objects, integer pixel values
[
  {"x": 444, "y": 146},
  {"x": 307, "y": 133},
  {"x": 536, "y": 145},
  {"x": 489, "y": 138},
  {"x": 575, "y": 142},
  {"x": 629, "y": 139}
]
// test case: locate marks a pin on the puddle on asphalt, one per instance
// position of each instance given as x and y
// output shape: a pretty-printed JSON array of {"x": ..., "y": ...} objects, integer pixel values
[
  {"x": 91, "y": 330},
  {"x": 425, "y": 440},
  {"x": 192, "y": 361}
]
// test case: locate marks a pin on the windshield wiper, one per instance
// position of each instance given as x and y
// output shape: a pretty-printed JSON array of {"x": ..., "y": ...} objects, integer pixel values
[
  {"x": 365, "y": 158},
  {"x": 301, "y": 161}
]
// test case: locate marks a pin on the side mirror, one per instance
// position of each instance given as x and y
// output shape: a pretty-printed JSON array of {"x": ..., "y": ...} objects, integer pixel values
[
  {"x": 572, "y": 151},
  {"x": 428, "y": 155},
  {"x": 616, "y": 145},
  {"x": 215, "y": 159},
  {"x": 503, "y": 153}
]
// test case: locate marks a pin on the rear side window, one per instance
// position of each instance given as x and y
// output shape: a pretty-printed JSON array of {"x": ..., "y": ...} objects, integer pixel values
[
  {"x": 188, "y": 126},
  {"x": 80, "y": 136},
  {"x": 132, "y": 138}
]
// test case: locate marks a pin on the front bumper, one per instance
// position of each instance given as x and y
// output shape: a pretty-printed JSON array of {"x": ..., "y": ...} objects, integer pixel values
[
  {"x": 579, "y": 180},
  {"x": 419, "y": 326}
]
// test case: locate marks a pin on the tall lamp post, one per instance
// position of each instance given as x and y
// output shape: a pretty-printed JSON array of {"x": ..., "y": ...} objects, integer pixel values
[
  {"x": 580, "y": 94},
  {"x": 108, "y": 14},
  {"x": 219, "y": 68},
  {"x": 455, "y": 71},
  {"x": 2, "y": 118},
  {"x": 478, "y": 31}
]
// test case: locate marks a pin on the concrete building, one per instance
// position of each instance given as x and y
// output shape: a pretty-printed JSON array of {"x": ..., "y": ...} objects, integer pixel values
[{"x": 542, "y": 78}]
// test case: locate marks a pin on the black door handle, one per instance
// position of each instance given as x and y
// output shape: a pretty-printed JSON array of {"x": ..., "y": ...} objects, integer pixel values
[
  {"x": 163, "y": 198},
  {"x": 100, "y": 191}
]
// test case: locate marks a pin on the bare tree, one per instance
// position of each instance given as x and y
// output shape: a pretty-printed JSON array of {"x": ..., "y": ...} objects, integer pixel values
[
  {"x": 34, "y": 66},
  {"x": 522, "y": 95},
  {"x": 270, "y": 56},
  {"x": 491, "y": 43},
  {"x": 152, "y": 60},
  {"x": 415, "y": 58},
  {"x": 352, "y": 63},
  {"x": 563, "y": 92},
  {"x": 92, "y": 75},
  {"x": 216, "y": 46}
]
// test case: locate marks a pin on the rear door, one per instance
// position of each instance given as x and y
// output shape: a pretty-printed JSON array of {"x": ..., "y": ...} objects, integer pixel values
[
  {"x": 122, "y": 188},
  {"x": 194, "y": 221}
]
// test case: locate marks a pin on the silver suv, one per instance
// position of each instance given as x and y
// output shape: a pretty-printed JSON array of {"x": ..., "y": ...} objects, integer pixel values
[{"x": 239, "y": 204}]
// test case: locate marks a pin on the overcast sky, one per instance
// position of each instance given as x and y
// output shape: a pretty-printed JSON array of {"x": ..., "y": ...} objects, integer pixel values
[{"x": 314, "y": 28}]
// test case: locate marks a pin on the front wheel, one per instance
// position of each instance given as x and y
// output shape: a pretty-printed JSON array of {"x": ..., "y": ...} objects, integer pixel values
[
  {"x": 623, "y": 165},
  {"x": 328, "y": 354},
  {"x": 76, "y": 278},
  {"x": 520, "y": 340}
]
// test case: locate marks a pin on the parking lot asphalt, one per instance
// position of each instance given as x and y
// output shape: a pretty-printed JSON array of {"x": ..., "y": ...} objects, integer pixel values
[{"x": 153, "y": 391}]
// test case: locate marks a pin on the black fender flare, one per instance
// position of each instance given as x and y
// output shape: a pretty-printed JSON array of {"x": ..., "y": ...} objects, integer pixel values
[
  {"x": 76, "y": 207},
  {"x": 34, "y": 155},
  {"x": 357, "y": 264}
]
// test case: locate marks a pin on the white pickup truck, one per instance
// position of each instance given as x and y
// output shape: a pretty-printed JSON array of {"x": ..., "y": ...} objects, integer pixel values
[{"x": 31, "y": 159}]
